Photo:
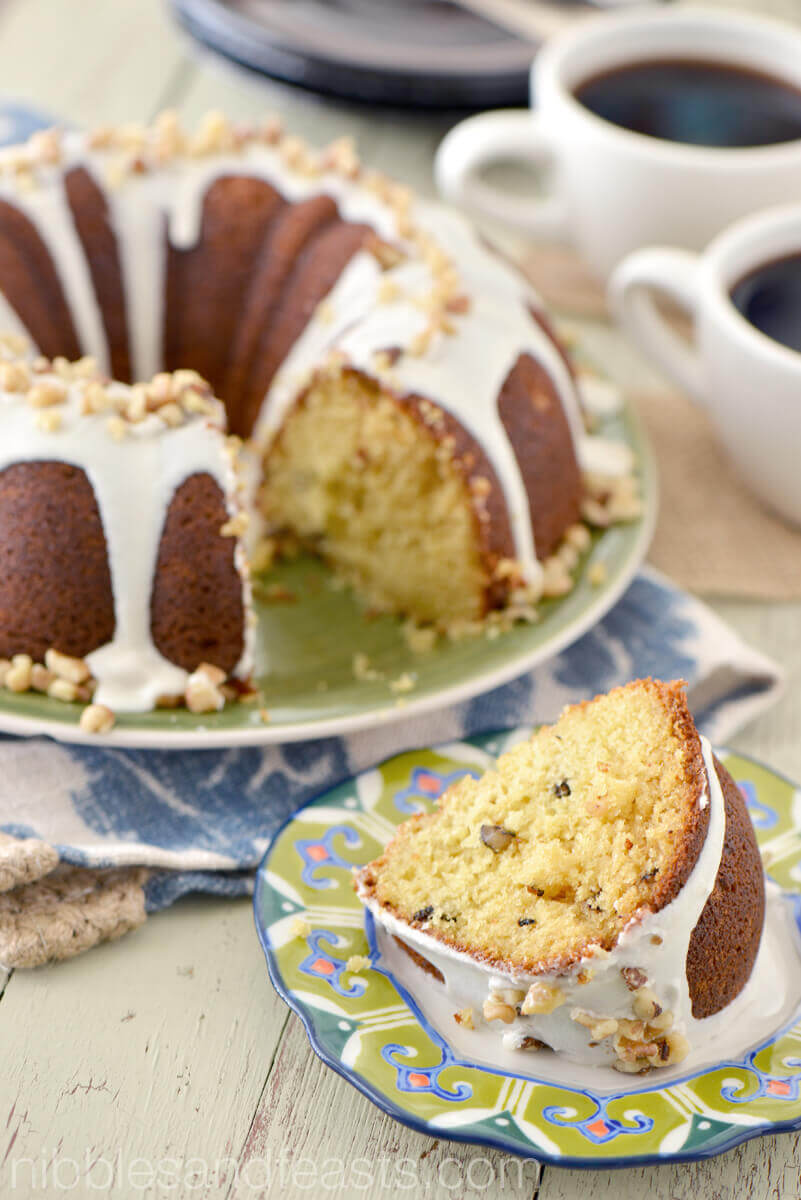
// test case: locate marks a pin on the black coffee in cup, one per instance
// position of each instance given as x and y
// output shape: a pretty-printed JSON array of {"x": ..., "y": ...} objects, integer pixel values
[
  {"x": 698, "y": 102},
  {"x": 770, "y": 298}
]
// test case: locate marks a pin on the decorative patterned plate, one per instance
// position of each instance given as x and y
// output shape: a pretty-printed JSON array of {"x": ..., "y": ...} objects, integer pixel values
[
  {"x": 309, "y": 634},
  {"x": 368, "y": 1027}
]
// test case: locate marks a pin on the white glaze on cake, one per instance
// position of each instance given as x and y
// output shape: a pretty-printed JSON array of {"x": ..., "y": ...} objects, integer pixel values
[
  {"x": 468, "y": 983},
  {"x": 133, "y": 479},
  {"x": 462, "y": 372}
]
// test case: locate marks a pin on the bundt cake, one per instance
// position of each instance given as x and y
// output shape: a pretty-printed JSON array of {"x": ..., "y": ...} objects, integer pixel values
[
  {"x": 599, "y": 892},
  {"x": 413, "y": 418}
]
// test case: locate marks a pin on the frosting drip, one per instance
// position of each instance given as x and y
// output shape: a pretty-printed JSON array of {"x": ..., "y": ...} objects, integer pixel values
[{"x": 134, "y": 479}]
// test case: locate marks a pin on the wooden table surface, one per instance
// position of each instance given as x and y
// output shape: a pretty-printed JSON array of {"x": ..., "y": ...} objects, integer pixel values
[{"x": 164, "y": 1064}]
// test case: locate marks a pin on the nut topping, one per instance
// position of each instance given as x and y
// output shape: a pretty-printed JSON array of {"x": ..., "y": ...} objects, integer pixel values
[
  {"x": 496, "y": 1010},
  {"x": 542, "y": 998},
  {"x": 496, "y": 837},
  {"x": 634, "y": 978},
  {"x": 96, "y": 718}
]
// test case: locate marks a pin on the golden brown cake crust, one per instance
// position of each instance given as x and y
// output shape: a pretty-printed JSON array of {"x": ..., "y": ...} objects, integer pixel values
[
  {"x": 546, "y": 325},
  {"x": 92, "y": 223},
  {"x": 32, "y": 286},
  {"x": 694, "y": 834},
  {"x": 291, "y": 229},
  {"x": 483, "y": 493},
  {"x": 207, "y": 284},
  {"x": 196, "y": 609},
  {"x": 420, "y": 960},
  {"x": 55, "y": 586},
  {"x": 725, "y": 942},
  {"x": 533, "y": 416},
  {"x": 328, "y": 247}
]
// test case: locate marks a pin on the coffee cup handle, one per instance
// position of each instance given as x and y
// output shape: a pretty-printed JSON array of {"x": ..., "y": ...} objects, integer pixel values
[
  {"x": 673, "y": 273},
  {"x": 487, "y": 138}
]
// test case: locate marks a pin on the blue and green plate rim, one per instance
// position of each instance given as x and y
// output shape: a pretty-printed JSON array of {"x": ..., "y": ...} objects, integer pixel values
[{"x": 499, "y": 1141}]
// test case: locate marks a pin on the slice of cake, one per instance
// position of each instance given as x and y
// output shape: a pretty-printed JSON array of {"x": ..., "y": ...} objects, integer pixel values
[{"x": 599, "y": 892}]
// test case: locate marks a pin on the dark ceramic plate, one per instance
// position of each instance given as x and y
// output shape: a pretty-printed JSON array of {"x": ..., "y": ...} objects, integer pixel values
[{"x": 420, "y": 53}]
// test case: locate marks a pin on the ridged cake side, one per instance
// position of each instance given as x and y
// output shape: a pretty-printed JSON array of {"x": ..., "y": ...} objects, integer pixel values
[{"x": 120, "y": 530}]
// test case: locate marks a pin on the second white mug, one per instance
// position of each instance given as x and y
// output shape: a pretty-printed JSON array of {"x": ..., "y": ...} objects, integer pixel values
[
  {"x": 749, "y": 383},
  {"x": 612, "y": 190}
]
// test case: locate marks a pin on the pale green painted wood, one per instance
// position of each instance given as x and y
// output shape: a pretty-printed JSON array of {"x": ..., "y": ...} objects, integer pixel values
[
  {"x": 156, "y": 1046},
  {"x": 326, "y": 1127},
  {"x": 91, "y": 60}
]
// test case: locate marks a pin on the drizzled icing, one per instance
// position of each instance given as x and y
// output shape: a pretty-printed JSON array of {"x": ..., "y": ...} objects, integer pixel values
[
  {"x": 462, "y": 373},
  {"x": 134, "y": 480},
  {"x": 655, "y": 944}
]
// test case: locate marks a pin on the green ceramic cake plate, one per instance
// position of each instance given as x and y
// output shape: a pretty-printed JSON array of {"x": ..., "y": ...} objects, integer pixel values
[
  {"x": 371, "y": 1026},
  {"x": 310, "y": 630}
]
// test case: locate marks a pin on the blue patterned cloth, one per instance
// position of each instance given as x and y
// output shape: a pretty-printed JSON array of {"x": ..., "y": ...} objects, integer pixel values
[{"x": 202, "y": 818}]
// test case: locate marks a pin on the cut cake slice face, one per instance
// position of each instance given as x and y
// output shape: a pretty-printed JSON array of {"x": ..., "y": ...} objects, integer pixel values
[{"x": 558, "y": 894}]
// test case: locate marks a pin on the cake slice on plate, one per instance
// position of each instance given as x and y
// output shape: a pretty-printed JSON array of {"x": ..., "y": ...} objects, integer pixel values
[{"x": 599, "y": 892}]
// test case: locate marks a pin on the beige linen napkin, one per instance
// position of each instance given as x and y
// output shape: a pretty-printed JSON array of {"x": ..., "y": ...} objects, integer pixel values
[{"x": 713, "y": 536}]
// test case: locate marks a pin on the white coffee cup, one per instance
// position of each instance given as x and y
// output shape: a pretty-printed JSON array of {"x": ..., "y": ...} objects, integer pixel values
[
  {"x": 612, "y": 190},
  {"x": 749, "y": 383}
]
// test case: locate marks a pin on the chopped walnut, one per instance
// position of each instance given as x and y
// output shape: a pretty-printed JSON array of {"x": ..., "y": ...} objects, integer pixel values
[
  {"x": 96, "y": 718},
  {"x": 236, "y": 526},
  {"x": 404, "y": 683},
  {"x": 362, "y": 670},
  {"x": 496, "y": 1010},
  {"x": 677, "y": 1049},
  {"x": 46, "y": 395},
  {"x": 556, "y": 579},
  {"x": 14, "y": 377},
  {"x": 63, "y": 689},
  {"x": 340, "y": 156},
  {"x": 41, "y": 678},
  {"x": 645, "y": 1004},
  {"x": 18, "y": 676},
  {"x": 532, "y": 1043},
  {"x": 117, "y": 428},
  {"x": 511, "y": 996},
  {"x": 597, "y": 574},
  {"x": 634, "y": 978},
  {"x": 599, "y": 1027},
  {"x": 66, "y": 667},
  {"x": 299, "y": 927},
  {"x": 202, "y": 692},
  {"x": 579, "y": 537},
  {"x": 542, "y": 998},
  {"x": 496, "y": 838},
  {"x": 48, "y": 420},
  {"x": 213, "y": 135}
]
